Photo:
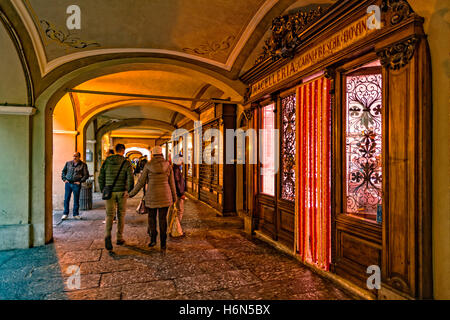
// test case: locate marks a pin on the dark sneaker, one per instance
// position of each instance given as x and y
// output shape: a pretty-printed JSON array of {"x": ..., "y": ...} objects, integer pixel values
[
  {"x": 108, "y": 244},
  {"x": 152, "y": 244},
  {"x": 120, "y": 242}
]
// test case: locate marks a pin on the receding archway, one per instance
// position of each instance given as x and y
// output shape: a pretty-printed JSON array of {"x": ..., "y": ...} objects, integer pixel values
[{"x": 43, "y": 127}]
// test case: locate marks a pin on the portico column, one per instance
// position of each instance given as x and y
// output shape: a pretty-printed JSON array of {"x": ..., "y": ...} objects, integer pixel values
[{"x": 15, "y": 226}]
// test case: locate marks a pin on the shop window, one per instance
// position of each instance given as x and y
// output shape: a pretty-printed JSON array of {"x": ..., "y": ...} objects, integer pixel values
[
  {"x": 189, "y": 155},
  {"x": 267, "y": 145},
  {"x": 288, "y": 147},
  {"x": 363, "y": 142}
]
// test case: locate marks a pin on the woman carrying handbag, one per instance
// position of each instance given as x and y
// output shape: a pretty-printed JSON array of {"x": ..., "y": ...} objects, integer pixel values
[{"x": 160, "y": 195}]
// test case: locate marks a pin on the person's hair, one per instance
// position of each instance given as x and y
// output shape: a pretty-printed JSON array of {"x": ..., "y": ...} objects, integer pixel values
[
  {"x": 78, "y": 154},
  {"x": 120, "y": 147},
  {"x": 111, "y": 151}
]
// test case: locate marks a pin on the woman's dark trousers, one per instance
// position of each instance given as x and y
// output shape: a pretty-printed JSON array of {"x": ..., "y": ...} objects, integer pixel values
[{"x": 162, "y": 217}]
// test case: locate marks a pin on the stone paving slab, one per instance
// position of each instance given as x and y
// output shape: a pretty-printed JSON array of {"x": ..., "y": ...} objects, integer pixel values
[
  {"x": 150, "y": 290},
  {"x": 216, "y": 260}
]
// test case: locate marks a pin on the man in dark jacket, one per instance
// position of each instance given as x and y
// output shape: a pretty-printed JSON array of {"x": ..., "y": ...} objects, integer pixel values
[
  {"x": 124, "y": 184},
  {"x": 75, "y": 172}
]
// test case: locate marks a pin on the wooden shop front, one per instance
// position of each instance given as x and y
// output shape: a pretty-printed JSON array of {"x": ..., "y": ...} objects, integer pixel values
[
  {"x": 350, "y": 96},
  {"x": 214, "y": 181}
]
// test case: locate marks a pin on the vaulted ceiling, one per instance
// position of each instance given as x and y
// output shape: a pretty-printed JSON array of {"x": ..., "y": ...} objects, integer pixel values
[{"x": 223, "y": 36}]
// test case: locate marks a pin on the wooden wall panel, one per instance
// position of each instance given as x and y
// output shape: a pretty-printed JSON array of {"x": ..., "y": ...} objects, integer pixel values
[
  {"x": 406, "y": 266},
  {"x": 267, "y": 215}
]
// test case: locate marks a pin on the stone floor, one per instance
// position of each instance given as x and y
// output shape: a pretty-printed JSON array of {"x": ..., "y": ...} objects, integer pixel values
[{"x": 216, "y": 260}]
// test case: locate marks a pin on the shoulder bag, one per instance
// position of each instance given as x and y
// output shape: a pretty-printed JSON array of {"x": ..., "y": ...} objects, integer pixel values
[
  {"x": 142, "y": 209},
  {"x": 107, "y": 191}
]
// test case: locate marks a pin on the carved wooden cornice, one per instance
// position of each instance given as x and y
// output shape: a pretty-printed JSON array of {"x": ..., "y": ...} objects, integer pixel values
[
  {"x": 248, "y": 114},
  {"x": 399, "y": 54},
  {"x": 329, "y": 73},
  {"x": 247, "y": 95},
  {"x": 286, "y": 30},
  {"x": 397, "y": 10}
]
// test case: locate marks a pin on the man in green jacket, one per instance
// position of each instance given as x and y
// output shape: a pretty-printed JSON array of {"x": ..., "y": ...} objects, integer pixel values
[{"x": 124, "y": 184}]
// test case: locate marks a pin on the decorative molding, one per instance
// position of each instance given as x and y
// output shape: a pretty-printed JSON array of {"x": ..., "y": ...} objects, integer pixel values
[
  {"x": 398, "y": 55},
  {"x": 286, "y": 30},
  {"x": 257, "y": 18},
  {"x": 211, "y": 49},
  {"x": 74, "y": 133},
  {"x": 398, "y": 10},
  {"x": 17, "y": 111},
  {"x": 248, "y": 114},
  {"x": 329, "y": 73},
  {"x": 248, "y": 94},
  {"x": 65, "y": 39}
]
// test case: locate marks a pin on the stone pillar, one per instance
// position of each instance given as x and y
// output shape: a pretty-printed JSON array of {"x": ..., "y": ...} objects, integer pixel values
[
  {"x": 15, "y": 226},
  {"x": 229, "y": 170}
]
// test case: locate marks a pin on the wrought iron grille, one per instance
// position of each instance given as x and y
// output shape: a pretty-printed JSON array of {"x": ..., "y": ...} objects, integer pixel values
[
  {"x": 363, "y": 143},
  {"x": 288, "y": 148}
]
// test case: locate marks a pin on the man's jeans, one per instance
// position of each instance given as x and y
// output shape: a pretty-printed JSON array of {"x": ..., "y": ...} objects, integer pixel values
[
  {"x": 118, "y": 199},
  {"x": 76, "y": 189}
]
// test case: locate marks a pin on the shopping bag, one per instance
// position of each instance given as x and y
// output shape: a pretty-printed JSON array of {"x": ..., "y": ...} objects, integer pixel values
[{"x": 174, "y": 222}]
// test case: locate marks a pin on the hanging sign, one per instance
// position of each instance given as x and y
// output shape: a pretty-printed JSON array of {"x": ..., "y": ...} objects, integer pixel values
[{"x": 339, "y": 41}]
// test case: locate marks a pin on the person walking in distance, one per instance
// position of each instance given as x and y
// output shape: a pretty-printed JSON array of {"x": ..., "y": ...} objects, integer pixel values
[
  {"x": 118, "y": 169},
  {"x": 160, "y": 195},
  {"x": 75, "y": 172},
  {"x": 181, "y": 188}
]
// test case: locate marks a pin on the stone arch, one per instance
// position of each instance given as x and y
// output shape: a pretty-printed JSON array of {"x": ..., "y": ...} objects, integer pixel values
[
  {"x": 150, "y": 123},
  {"x": 140, "y": 102},
  {"x": 42, "y": 140}
]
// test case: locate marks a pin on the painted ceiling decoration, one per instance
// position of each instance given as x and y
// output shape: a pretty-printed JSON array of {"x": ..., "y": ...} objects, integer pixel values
[
  {"x": 210, "y": 49},
  {"x": 65, "y": 38},
  {"x": 286, "y": 31},
  {"x": 196, "y": 30}
]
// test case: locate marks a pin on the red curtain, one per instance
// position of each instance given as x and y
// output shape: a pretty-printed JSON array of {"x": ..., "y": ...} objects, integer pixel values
[{"x": 312, "y": 201}]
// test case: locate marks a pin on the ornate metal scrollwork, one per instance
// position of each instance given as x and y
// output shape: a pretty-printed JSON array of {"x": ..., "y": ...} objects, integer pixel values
[
  {"x": 399, "y": 10},
  {"x": 364, "y": 142},
  {"x": 288, "y": 120},
  {"x": 398, "y": 55},
  {"x": 286, "y": 30}
]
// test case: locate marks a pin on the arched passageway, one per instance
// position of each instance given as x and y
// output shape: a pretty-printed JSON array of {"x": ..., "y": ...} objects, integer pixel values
[{"x": 338, "y": 208}]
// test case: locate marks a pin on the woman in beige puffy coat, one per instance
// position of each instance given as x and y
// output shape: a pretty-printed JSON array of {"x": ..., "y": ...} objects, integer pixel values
[{"x": 161, "y": 194}]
